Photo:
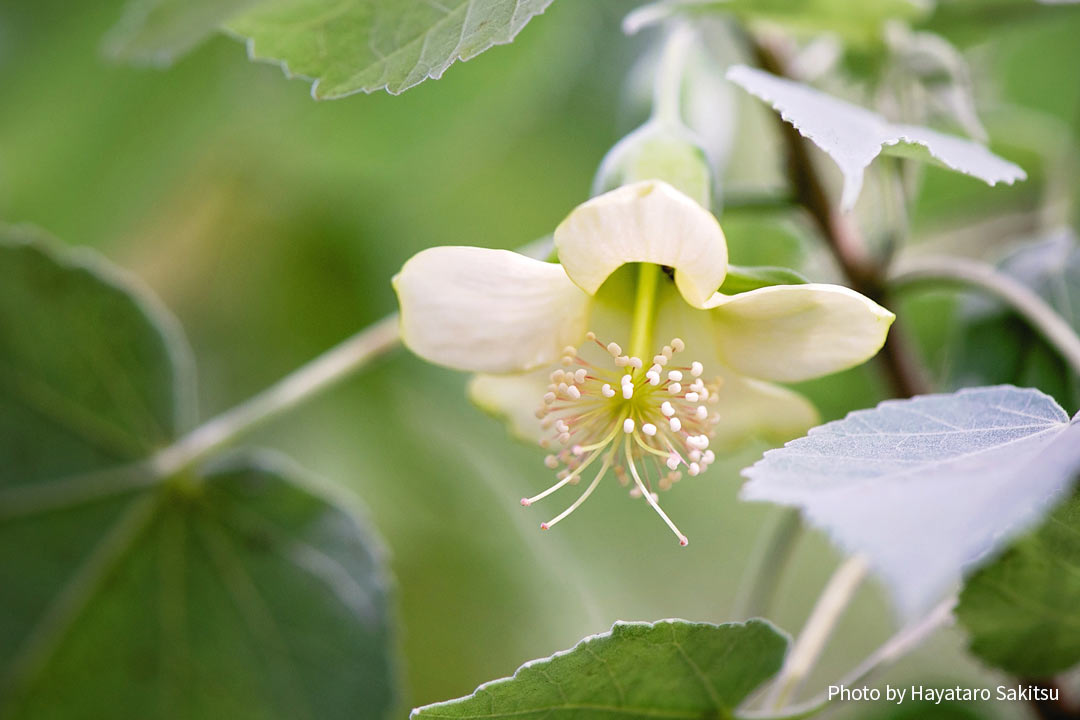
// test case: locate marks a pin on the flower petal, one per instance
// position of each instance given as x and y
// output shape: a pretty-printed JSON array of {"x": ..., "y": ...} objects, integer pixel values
[
  {"x": 751, "y": 408},
  {"x": 797, "y": 332},
  {"x": 514, "y": 398},
  {"x": 487, "y": 310},
  {"x": 645, "y": 222}
]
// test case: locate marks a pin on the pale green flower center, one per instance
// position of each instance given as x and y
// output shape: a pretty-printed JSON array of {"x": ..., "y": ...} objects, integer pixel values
[{"x": 645, "y": 424}]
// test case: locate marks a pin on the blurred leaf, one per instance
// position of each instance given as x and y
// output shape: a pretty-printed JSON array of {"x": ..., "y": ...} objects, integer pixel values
[
  {"x": 934, "y": 77},
  {"x": 92, "y": 372},
  {"x": 239, "y": 593},
  {"x": 742, "y": 278},
  {"x": 671, "y": 668},
  {"x": 860, "y": 23},
  {"x": 160, "y": 31},
  {"x": 992, "y": 344},
  {"x": 853, "y": 136},
  {"x": 1023, "y": 610},
  {"x": 349, "y": 46},
  {"x": 926, "y": 486}
]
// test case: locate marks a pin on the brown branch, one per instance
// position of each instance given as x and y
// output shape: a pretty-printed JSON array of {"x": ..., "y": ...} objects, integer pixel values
[{"x": 839, "y": 231}]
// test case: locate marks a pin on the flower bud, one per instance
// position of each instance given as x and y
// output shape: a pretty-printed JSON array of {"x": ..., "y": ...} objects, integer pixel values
[{"x": 658, "y": 151}]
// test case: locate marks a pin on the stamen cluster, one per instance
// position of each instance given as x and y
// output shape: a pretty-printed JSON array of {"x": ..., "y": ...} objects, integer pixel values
[{"x": 645, "y": 425}]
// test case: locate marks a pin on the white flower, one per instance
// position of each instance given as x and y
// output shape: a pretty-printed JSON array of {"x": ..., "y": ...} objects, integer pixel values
[{"x": 525, "y": 326}]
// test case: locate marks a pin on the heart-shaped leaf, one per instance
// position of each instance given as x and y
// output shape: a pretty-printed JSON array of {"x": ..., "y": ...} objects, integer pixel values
[{"x": 236, "y": 590}]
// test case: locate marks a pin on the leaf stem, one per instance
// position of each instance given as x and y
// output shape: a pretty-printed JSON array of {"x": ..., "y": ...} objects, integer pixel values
[
  {"x": 770, "y": 557},
  {"x": 819, "y": 626},
  {"x": 667, "y": 88},
  {"x": 321, "y": 373},
  {"x": 906, "y": 639},
  {"x": 984, "y": 276}
]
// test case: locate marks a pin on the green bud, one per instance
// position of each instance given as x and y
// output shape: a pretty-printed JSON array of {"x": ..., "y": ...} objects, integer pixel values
[{"x": 658, "y": 151}]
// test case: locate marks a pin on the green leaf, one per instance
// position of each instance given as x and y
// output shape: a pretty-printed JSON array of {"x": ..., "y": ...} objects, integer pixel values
[
  {"x": 349, "y": 46},
  {"x": 991, "y": 344},
  {"x": 742, "y": 278},
  {"x": 92, "y": 372},
  {"x": 235, "y": 591},
  {"x": 1023, "y": 610},
  {"x": 671, "y": 669},
  {"x": 158, "y": 32}
]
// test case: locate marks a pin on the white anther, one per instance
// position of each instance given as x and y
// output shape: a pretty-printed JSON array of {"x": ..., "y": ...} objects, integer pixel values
[
  {"x": 690, "y": 396},
  {"x": 649, "y": 429},
  {"x": 561, "y": 426},
  {"x": 678, "y": 344},
  {"x": 549, "y": 397},
  {"x": 574, "y": 393},
  {"x": 551, "y": 461},
  {"x": 622, "y": 361},
  {"x": 590, "y": 336},
  {"x": 667, "y": 409},
  {"x": 653, "y": 378},
  {"x": 628, "y": 425},
  {"x": 709, "y": 457},
  {"x": 673, "y": 462},
  {"x": 614, "y": 349},
  {"x": 694, "y": 469},
  {"x": 696, "y": 369},
  {"x": 659, "y": 359},
  {"x": 694, "y": 455},
  {"x": 569, "y": 350},
  {"x": 556, "y": 376},
  {"x": 578, "y": 450},
  {"x": 635, "y": 362},
  {"x": 704, "y": 393},
  {"x": 627, "y": 391},
  {"x": 702, "y": 412},
  {"x": 607, "y": 391},
  {"x": 580, "y": 375},
  {"x": 563, "y": 437},
  {"x": 563, "y": 387},
  {"x": 676, "y": 424},
  {"x": 627, "y": 379},
  {"x": 674, "y": 376},
  {"x": 674, "y": 388},
  {"x": 667, "y": 352}
]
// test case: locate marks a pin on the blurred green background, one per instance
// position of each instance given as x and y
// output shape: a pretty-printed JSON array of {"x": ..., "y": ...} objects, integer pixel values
[{"x": 270, "y": 224}]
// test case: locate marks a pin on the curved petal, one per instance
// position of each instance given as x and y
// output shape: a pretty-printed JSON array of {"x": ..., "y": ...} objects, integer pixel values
[
  {"x": 750, "y": 408},
  {"x": 644, "y": 222},
  {"x": 487, "y": 310},
  {"x": 513, "y": 398},
  {"x": 797, "y": 332}
]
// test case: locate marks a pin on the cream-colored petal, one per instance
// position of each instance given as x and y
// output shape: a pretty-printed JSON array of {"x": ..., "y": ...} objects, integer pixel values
[
  {"x": 750, "y": 408},
  {"x": 488, "y": 310},
  {"x": 644, "y": 222},
  {"x": 797, "y": 332},
  {"x": 514, "y": 398}
]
